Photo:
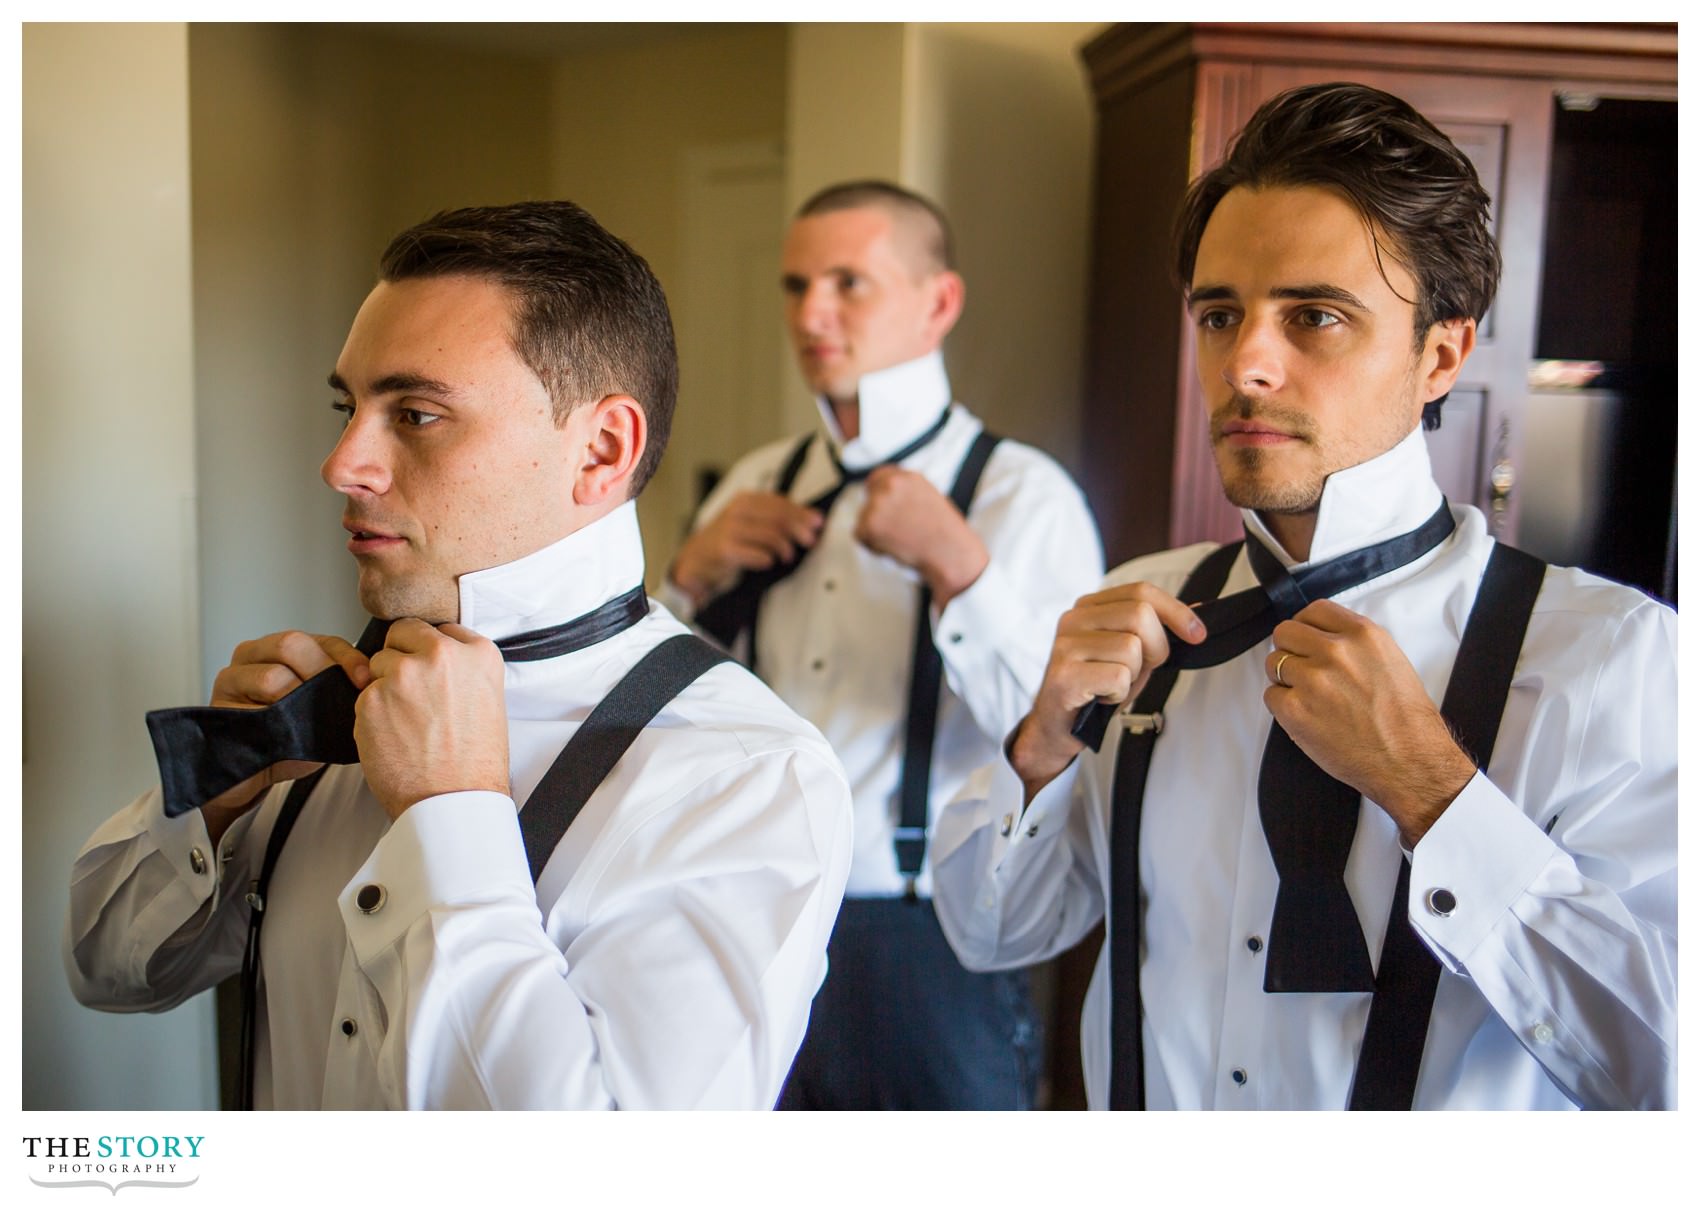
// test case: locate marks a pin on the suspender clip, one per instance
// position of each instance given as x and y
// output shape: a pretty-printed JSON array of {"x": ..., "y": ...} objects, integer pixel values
[
  {"x": 256, "y": 902},
  {"x": 915, "y": 835},
  {"x": 1139, "y": 724}
]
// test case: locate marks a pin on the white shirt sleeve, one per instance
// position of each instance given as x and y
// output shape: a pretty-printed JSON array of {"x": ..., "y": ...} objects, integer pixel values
[
  {"x": 1014, "y": 888},
  {"x": 155, "y": 915},
  {"x": 1566, "y": 924},
  {"x": 995, "y": 637},
  {"x": 688, "y": 962}
]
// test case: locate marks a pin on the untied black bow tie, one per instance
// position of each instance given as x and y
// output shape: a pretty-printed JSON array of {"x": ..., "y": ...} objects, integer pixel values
[
  {"x": 734, "y": 612},
  {"x": 1309, "y": 818},
  {"x": 205, "y": 751}
]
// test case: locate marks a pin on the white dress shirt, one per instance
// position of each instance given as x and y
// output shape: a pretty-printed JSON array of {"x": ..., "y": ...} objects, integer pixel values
[
  {"x": 1558, "y": 982},
  {"x": 666, "y": 957},
  {"x": 836, "y": 637}
]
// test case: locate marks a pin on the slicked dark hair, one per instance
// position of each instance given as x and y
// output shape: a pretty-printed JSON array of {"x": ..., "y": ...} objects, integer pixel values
[
  {"x": 590, "y": 320},
  {"x": 1419, "y": 194},
  {"x": 929, "y": 220}
]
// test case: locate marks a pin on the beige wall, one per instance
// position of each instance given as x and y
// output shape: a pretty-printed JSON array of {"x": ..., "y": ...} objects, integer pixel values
[
  {"x": 625, "y": 123},
  {"x": 109, "y": 602},
  {"x": 312, "y": 146},
  {"x": 999, "y": 131},
  {"x": 845, "y": 117}
]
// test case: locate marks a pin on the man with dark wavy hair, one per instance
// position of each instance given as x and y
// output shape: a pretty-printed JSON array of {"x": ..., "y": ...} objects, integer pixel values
[
  {"x": 1381, "y": 814},
  {"x": 526, "y": 845}
]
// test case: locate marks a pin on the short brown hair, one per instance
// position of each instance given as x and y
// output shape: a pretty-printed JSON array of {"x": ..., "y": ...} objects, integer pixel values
[
  {"x": 929, "y": 219},
  {"x": 591, "y": 319},
  {"x": 1409, "y": 181}
]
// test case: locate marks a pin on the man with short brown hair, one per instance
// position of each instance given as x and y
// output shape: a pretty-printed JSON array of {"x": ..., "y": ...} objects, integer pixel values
[{"x": 526, "y": 845}]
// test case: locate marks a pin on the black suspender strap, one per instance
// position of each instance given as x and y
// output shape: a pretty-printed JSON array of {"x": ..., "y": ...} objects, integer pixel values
[
  {"x": 793, "y": 464},
  {"x": 1127, "y": 798},
  {"x": 740, "y": 609},
  {"x": 604, "y": 737},
  {"x": 1405, "y": 983},
  {"x": 256, "y": 898},
  {"x": 577, "y": 771},
  {"x": 926, "y": 679}
]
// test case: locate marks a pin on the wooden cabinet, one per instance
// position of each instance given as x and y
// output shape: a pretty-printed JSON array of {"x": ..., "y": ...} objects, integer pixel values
[{"x": 1169, "y": 99}]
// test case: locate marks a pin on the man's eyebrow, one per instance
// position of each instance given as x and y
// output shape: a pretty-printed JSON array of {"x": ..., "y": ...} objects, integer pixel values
[
  {"x": 1210, "y": 294},
  {"x": 1321, "y": 292},
  {"x": 396, "y": 384}
]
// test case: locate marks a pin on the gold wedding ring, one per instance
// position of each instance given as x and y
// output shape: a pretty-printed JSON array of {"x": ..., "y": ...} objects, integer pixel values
[{"x": 1280, "y": 661}]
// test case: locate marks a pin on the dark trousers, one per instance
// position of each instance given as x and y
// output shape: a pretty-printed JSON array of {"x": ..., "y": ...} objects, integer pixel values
[{"x": 901, "y": 1025}]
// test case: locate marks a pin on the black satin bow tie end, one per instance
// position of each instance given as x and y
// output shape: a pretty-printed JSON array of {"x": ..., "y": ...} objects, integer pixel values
[{"x": 205, "y": 751}]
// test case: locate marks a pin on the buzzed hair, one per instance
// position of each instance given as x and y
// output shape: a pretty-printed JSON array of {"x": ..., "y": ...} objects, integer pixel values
[{"x": 920, "y": 215}]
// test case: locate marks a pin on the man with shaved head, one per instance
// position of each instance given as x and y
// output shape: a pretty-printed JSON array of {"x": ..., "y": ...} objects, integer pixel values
[{"x": 894, "y": 575}]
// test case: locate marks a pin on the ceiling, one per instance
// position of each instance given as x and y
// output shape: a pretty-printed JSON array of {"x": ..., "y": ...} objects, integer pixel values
[{"x": 542, "y": 39}]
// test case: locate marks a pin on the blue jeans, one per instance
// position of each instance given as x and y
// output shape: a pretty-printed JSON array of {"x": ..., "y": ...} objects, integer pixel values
[{"x": 901, "y": 1025}]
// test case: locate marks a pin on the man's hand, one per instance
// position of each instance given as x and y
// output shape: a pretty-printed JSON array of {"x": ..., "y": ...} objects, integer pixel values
[
  {"x": 260, "y": 673},
  {"x": 434, "y": 719},
  {"x": 1356, "y": 707},
  {"x": 1106, "y": 648},
  {"x": 906, "y": 518},
  {"x": 756, "y": 530}
]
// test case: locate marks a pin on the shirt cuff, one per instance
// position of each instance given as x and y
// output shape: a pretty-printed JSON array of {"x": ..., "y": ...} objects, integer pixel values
[
  {"x": 447, "y": 850},
  {"x": 183, "y": 841},
  {"x": 1470, "y": 868},
  {"x": 978, "y": 618}
]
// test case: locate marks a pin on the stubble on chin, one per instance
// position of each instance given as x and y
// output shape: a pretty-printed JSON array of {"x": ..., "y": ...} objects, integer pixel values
[
  {"x": 392, "y": 599},
  {"x": 1250, "y": 481},
  {"x": 1252, "y": 476}
]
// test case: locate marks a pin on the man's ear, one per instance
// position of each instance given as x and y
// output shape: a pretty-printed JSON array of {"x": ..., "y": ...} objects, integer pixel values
[
  {"x": 610, "y": 440},
  {"x": 1444, "y": 354},
  {"x": 948, "y": 296}
]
